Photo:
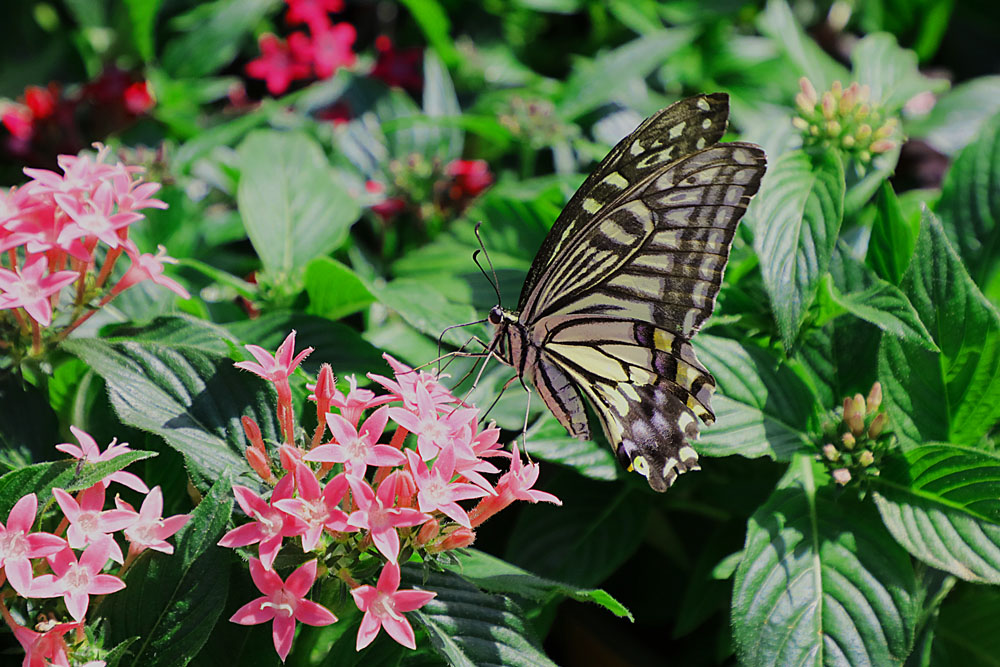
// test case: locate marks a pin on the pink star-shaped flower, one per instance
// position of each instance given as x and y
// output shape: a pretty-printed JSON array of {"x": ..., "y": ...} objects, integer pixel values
[
  {"x": 280, "y": 366},
  {"x": 146, "y": 266},
  {"x": 18, "y": 544},
  {"x": 75, "y": 581},
  {"x": 384, "y": 605},
  {"x": 437, "y": 491},
  {"x": 30, "y": 288},
  {"x": 515, "y": 484},
  {"x": 91, "y": 453},
  {"x": 283, "y": 602},
  {"x": 281, "y": 62},
  {"x": 318, "y": 508},
  {"x": 377, "y": 515},
  {"x": 353, "y": 405},
  {"x": 148, "y": 529},
  {"x": 404, "y": 387},
  {"x": 89, "y": 522},
  {"x": 434, "y": 431},
  {"x": 94, "y": 217},
  {"x": 43, "y": 648},
  {"x": 331, "y": 48},
  {"x": 270, "y": 525},
  {"x": 357, "y": 450},
  {"x": 312, "y": 12}
]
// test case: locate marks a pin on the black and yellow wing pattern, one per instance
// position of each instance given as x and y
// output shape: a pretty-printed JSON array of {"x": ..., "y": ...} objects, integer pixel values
[{"x": 625, "y": 278}]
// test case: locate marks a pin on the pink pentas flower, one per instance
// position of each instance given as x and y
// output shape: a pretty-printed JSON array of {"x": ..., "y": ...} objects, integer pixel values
[
  {"x": 384, "y": 605},
  {"x": 18, "y": 544},
  {"x": 280, "y": 63},
  {"x": 39, "y": 230},
  {"x": 132, "y": 195},
  {"x": 519, "y": 480},
  {"x": 32, "y": 289},
  {"x": 94, "y": 217},
  {"x": 280, "y": 366},
  {"x": 312, "y": 12},
  {"x": 284, "y": 603},
  {"x": 269, "y": 526},
  {"x": 148, "y": 529},
  {"x": 353, "y": 405},
  {"x": 146, "y": 266},
  {"x": 81, "y": 173},
  {"x": 435, "y": 489},
  {"x": 379, "y": 517},
  {"x": 331, "y": 48},
  {"x": 357, "y": 448},
  {"x": 89, "y": 522},
  {"x": 318, "y": 508},
  {"x": 404, "y": 387},
  {"x": 434, "y": 430},
  {"x": 44, "y": 648},
  {"x": 75, "y": 581},
  {"x": 91, "y": 453}
]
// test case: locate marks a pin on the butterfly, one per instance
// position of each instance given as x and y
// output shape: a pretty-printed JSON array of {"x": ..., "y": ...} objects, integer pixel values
[{"x": 626, "y": 276}]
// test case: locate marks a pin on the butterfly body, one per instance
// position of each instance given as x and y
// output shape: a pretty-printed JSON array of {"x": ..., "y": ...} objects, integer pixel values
[{"x": 626, "y": 277}]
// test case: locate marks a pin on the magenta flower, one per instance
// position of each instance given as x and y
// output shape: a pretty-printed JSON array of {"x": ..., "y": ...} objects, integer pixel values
[
  {"x": 384, "y": 605},
  {"x": 353, "y": 405},
  {"x": 318, "y": 509},
  {"x": 377, "y": 515},
  {"x": 357, "y": 450},
  {"x": 312, "y": 12},
  {"x": 91, "y": 453},
  {"x": 331, "y": 48},
  {"x": 270, "y": 524},
  {"x": 434, "y": 431},
  {"x": 280, "y": 366},
  {"x": 436, "y": 491},
  {"x": 283, "y": 602},
  {"x": 148, "y": 529},
  {"x": 30, "y": 288},
  {"x": 281, "y": 62},
  {"x": 90, "y": 523},
  {"x": 76, "y": 581},
  {"x": 18, "y": 544}
]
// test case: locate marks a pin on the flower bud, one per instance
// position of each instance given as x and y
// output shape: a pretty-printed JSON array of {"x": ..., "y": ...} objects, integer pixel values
[
  {"x": 866, "y": 458},
  {"x": 830, "y": 452},
  {"x": 848, "y": 440},
  {"x": 878, "y": 425},
  {"x": 259, "y": 461},
  {"x": 326, "y": 384},
  {"x": 833, "y": 127},
  {"x": 252, "y": 431},
  {"x": 828, "y": 105},
  {"x": 808, "y": 94},
  {"x": 459, "y": 538},
  {"x": 428, "y": 531},
  {"x": 874, "y": 399},
  {"x": 854, "y": 414},
  {"x": 289, "y": 456},
  {"x": 882, "y": 145},
  {"x": 841, "y": 476},
  {"x": 864, "y": 131},
  {"x": 800, "y": 123},
  {"x": 837, "y": 89}
]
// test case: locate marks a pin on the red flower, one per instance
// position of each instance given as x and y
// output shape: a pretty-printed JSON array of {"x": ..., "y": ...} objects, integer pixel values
[
  {"x": 41, "y": 101},
  {"x": 468, "y": 178},
  {"x": 331, "y": 48},
  {"x": 138, "y": 98},
  {"x": 398, "y": 67},
  {"x": 281, "y": 62},
  {"x": 19, "y": 121},
  {"x": 314, "y": 13}
]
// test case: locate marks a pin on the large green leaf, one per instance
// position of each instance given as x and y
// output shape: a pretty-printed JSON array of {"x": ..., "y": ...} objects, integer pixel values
[
  {"x": 428, "y": 310},
  {"x": 292, "y": 205},
  {"x": 212, "y": 36},
  {"x": 335, "y": 291},
  {"x": 468, "y": 627},
  {"x": 967, "y": 628},
  {"x": 952, "y": 395},
  {"x": 942, "y": 502},
  {"x": 893, "y": 237},
  {"x": 142, "y": 17},
  {"x": 796, "y": 220},
  {"x": 440, "y": 101},
  {"x": 172, "y": 601},
  {"x": 890, "y": 71},
  {"x": 821, "y": 581},
  {"x": 778, "y": 23},
  {"x": 28, "y": 426},
  {"x": 884, "y": 305},
  {"x": 548, "y": 440},
  {"x": 970, "y": 202},
  {"x": 762, "y": 408}
]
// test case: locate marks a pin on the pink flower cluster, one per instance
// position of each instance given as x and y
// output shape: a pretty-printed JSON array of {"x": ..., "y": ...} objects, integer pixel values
[
  {"x": 320, "y": 53},
  {"x": 74, "y": 558},
  {"x": 362, "y": 494},
  {"x": 50, "y": 232}
]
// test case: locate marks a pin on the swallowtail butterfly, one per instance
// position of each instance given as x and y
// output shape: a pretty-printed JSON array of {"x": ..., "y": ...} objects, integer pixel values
[{"x": 627, "y": 275}]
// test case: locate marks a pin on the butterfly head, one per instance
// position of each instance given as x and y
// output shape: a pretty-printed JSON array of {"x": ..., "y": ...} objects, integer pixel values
[{"x": 496, "y": 316}]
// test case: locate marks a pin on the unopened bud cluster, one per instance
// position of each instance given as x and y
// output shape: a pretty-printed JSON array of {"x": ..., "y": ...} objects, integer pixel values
[
  {"x": 855, "y": 444},
  {"x": 845, "y": 119},
  {"x": 534, "y": 122}
]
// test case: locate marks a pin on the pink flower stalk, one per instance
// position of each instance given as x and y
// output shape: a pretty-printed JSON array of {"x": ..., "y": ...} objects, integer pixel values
[
  {"x": 377, "y": 515},
  {"x": 357, "y": 450},
  {"x": 270, "y": 525},
  {"x": 434, "y": 431},
  {"x": 435, "y": 489},
  {"x": 515, "y": 484},
  {"x": 18, "y": 544},
  {"x": 30, "y": 288},
  {"x": 318, "y": 508},
  {"x": 146, "y": 266},
  {"x": 384, "y": 605},
  {"x": 90, "y": 523},
  {"x": 284, "y": 603},
  {"x": 149, "y": 530},
  {"x": 76, "y": 581},
  {"x": 91, "y": 453}
]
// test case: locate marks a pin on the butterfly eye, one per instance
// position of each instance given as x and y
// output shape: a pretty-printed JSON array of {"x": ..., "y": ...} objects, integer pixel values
[
  {"x": 640, "y": 465},
  {"x": 496, "y": 316}
]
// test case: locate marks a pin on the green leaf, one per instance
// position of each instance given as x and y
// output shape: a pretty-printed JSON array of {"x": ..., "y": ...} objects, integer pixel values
[
  {"x": 958, "y": 115},
  {"x": 429, "y": 311},
  {"x": 29, "y": 429},
  {"x": 69, "y": 476},
  {"x": 433, "y": 21},
  {"x": 967, "y": 628},
  {"x": 942, "y": 503},
  {"x": 142, "y": 16},
  {"x": 893, "y": 237},
  {"x": 884, "y": 305},
  {"x": 970, "y": 202},
  {"x": 498, "y": 576},
  {"x": 778, "y": 23},
  {"x": 762, "y": 408},
  {"x": 172, "y": 601},
  {"x": 192, "y": 399},
  {"x": 440, "y": 101},
  {"x": 595, "y": 83},
  {"x": 547, "y": 440},
  {"x": 293, "y": 207},
  {"x": 952, "y": 395},
  {"x": 213, "y": 36},
  {"x": 598, "y": 527},
  {"x": 890, "y": 71},
  {"x": 335, "y": 291},
  {"x": 468, "y": 627},
  {"x": 178, "y": 330},
  {"x": 821, "y": 582},
  {"x": 796, "y": 222}
]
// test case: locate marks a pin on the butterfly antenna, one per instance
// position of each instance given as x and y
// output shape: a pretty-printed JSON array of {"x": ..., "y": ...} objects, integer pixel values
[
  {"x": 440, "y": 340},
  {"x": 495, "y": 282}
]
